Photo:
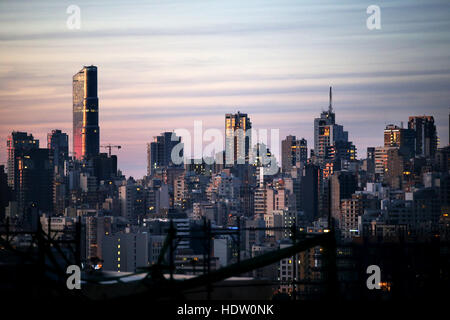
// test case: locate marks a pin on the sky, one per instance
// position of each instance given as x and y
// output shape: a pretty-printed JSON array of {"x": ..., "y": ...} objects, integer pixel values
[{"x": 164, "y": 64}]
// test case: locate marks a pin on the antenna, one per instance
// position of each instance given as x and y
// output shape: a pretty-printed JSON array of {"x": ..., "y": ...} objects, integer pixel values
[{"x": 330, "y": 107}]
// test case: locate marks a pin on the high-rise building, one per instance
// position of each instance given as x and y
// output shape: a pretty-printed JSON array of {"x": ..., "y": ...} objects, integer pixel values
[
  {"x": 18, "y": 143},
  {"x": 260, "y": 201},
  {"x": 326, "y": 133},
  {"x": 294, "y": 153},
  {"x": 96, "y": 228},
  {"x": 381, "y": 158},
  {"x": 105, "y": 166},
  {"x": 341, "y": 151},
  {"x": 159, "y": 152},
  {"x": 401, "y": 138},
  {"x": 425, "y": 135},
  {"x": 35, "y": 180},
  {"x": 351, "y": 210},
  {"x": 58, "y": 142},
  {"x": 309, "y": 192},
  {"x": 238, "y": 138},
  {"x": 343, "y": 185},
  {"x": 395, "y": 167},
  {"x": 86, "y": 132},
  {"x": 370, "y": 162},
  {"x": 5, "y": 192}
]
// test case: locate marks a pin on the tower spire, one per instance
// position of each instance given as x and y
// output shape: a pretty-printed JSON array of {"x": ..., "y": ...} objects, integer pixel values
[{"x": 330, "y": 107}]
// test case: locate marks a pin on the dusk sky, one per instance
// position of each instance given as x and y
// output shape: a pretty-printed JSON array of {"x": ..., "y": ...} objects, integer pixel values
[{"x": 163, "y": 64}]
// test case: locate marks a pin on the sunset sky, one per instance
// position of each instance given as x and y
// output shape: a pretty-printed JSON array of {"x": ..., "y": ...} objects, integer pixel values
[{"x": 163, "y": 64}]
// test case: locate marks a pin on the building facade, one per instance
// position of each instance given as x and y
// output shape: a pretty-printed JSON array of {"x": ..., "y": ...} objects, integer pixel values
[{"x": 86, "y": 132}]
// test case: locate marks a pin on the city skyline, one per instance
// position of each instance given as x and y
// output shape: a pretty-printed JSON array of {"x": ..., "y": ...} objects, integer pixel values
[
  {"x": 243, "y": 153},
  {"x": 264, "y": 65}
]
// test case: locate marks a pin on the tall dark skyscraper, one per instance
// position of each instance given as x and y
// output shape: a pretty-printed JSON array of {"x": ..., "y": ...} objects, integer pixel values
[
  {"x": 425, "y": 135},
  {"x": 35, "y": 186},
  {"x": 86, "y": 132},
  {"x": 30, "y": 172},
  {"x": 309, "y": 194},
  {"x": 18, "y": 144},
  {"x": 159, "y": 151},
  {"x": 58, "y": 142}
]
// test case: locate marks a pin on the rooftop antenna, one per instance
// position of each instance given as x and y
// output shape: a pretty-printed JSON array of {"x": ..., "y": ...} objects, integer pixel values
[{"x": 330, "y": 107}]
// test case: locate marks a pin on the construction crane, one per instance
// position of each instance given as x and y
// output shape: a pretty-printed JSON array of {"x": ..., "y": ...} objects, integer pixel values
[{"x": 109, "y": 147}]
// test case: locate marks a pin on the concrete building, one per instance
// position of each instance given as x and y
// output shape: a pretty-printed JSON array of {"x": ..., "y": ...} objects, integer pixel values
[
  {"x": 294, "y": 153},
  {"x": 343, "y": 185},
  {"x": 132, "y": 201},
  {"x": 125, "y": 252},
  {"x": 238, "y": 138},
  {"x": 159, "y": 152},
  {"x": 351, "y": 210}
]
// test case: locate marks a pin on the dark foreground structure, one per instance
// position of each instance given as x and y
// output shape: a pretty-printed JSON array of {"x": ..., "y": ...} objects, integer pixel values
[{"x": 411, "y": 271}]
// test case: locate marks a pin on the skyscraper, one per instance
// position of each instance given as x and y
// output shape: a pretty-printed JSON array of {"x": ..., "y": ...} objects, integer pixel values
[
  {"x": 400, "y": 138},
  {"x": 86, "y": 132},
  {"x": 18, "y": 143},
  {"x": 238, "y": 138},
  {"x": 425, "y": 135},
  {"x": 35, "y": 183},
  {"x": 159, "y": 152},
  {"x": 309, "y": 192},
  {"x": 381, "y": 160},
  {"x": 294, "y": 152},
  {"x": 58, "y": 142},
  {"x": 327, "y": 132}
]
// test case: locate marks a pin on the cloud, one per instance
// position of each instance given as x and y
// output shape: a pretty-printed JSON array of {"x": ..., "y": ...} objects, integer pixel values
[{"x": 163, "y": 64}]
